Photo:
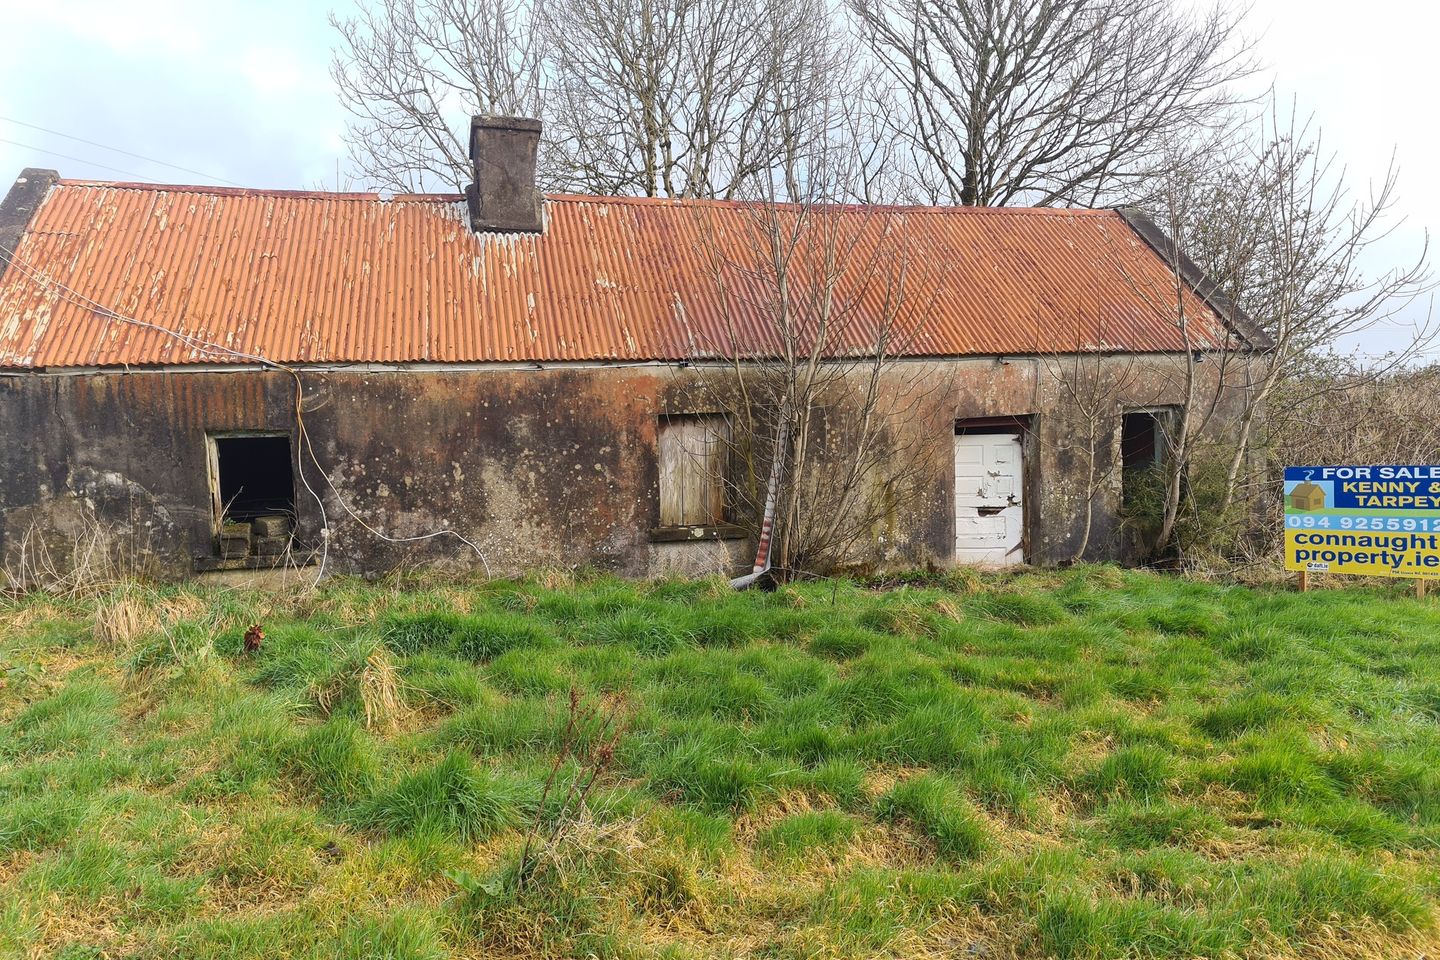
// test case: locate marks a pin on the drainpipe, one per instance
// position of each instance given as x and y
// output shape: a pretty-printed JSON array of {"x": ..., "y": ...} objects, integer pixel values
[{"x": 772, "y": 492}]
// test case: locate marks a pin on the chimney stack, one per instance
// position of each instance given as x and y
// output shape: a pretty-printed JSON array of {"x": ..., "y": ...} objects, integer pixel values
[{"x": 503, "y": 196}]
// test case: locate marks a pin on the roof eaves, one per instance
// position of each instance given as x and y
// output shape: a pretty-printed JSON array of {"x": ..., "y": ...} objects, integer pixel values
[{"x": 1229, "y": 311}]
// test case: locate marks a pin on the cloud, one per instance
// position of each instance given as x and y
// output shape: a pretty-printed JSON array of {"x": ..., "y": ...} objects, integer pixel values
[{"x": 238, "y": 90}]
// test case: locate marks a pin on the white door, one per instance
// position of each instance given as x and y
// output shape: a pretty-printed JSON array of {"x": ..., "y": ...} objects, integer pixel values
[{"x": 989, "y": 485}]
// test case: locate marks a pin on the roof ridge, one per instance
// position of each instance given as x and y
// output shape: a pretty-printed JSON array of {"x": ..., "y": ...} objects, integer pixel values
[
  {"x": 577, "y": 198},
  {"x": 260, "y": 191},
  {"x": 872, "y": 207}
]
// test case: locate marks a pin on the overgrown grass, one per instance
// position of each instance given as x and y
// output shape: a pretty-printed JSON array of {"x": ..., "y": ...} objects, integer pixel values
[{"x": 1088, "y": 764}]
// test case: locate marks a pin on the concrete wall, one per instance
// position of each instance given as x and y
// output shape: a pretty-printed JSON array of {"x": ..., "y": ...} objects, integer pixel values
[{"x": 537, "y": 467}]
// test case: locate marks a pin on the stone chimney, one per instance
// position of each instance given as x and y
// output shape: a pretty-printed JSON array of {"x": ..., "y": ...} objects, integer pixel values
[{"x": 503, "y": 196}]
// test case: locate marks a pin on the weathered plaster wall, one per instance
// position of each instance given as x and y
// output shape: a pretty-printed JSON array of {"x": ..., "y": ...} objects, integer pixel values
[{"x": 538, "y": 467}]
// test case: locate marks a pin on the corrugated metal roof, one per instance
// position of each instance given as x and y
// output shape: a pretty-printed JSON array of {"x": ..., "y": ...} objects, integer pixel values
[{"x": 338, "y": 278}]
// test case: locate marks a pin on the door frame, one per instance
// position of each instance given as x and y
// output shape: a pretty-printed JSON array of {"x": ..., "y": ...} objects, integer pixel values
[{"x": 1022, "y": 424}]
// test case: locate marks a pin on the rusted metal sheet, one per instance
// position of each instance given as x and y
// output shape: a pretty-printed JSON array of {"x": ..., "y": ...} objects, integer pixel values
[{"x": 338, "y": 278}]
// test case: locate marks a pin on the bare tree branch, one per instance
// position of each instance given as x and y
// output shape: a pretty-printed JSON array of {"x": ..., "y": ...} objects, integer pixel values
[{"x": 1049, "y": 102}]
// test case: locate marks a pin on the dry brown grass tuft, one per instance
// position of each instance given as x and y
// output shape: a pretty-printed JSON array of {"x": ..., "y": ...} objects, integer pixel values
[
  {"x": 349, "y": 608},
  {"x": 964, "y": 581},
  {"x": 62, "y": 922},
  {"x": 15, "y": 863},
  {"x": 460, "y": 600},
  {"x": 948, "y": 610},
  {"x": 553, "y": 578},
  {"x": 1364, "y": 940},
  {"x": 187, "y": 606},
  {"x": 21, "y": 617},
  {"x": 378, "y": 685},
  {"x": 122, "y": 618}
]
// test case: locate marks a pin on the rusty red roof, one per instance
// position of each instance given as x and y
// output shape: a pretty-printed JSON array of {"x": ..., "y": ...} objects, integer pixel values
[{"x": 104, "y": 270}]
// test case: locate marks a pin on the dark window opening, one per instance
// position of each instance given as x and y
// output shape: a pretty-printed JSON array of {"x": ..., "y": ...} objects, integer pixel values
[
  {"x": 256, "y": 478},
  {"x": 1142, "y": 448},
  {"x": 1140, "y": 441}
]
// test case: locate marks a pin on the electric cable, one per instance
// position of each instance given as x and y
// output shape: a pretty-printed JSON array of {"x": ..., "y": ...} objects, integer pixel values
[
  {"x": 128, "y": 153},
  {"x": 66, "y": 156}
]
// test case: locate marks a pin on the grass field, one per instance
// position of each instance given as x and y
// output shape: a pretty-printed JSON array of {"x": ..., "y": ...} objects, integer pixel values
[{"x": 1083, "y": 764}]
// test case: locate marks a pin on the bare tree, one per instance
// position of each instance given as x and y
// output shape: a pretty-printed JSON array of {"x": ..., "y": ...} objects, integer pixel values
[
  {"x": 1277, "y": 226},
  {"x": 818, "y": 306},
  {"x": 1266, "y": 227},
  {"x": 651, "y": 97},
  {"x": 1047, "y": 102},
  {"x": 1091, "y": 387},
  {"x": 688, "y": 97},
  {"x": 411, "y": 72}
]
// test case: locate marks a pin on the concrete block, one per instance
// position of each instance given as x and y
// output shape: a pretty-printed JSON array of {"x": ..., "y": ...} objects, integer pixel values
[
  {"x": 235, "y": 540},
  {"x": 273, "y": 525},
  {"x": 271, "y": 546}
]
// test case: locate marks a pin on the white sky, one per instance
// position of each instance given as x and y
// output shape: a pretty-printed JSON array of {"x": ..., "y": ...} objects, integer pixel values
[{"x": 239, "y": 89}]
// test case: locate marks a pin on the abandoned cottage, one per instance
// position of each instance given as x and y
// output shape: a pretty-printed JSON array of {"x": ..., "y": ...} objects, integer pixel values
[{"x": 227, "y": 378}]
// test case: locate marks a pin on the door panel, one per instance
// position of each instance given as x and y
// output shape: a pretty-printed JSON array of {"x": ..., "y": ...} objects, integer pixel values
[{"x": 989, "y": 493}]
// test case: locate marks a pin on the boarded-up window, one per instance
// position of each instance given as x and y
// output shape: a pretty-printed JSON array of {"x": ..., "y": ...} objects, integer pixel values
[{"x": 692, "y": 477}]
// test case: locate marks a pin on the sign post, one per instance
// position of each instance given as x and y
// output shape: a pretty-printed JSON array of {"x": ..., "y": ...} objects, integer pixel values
[{"x": 1366, "y": 521}]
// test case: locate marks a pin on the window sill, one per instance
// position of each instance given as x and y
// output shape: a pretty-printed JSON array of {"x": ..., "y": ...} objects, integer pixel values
[{"x": 719, "y": 531}]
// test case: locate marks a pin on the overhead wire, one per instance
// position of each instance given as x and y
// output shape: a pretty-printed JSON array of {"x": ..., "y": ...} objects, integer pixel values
[
  {"x": 66, "y": 156},
  {"x": 75, "y": 297},
  {"x": 106, "y": 146}
]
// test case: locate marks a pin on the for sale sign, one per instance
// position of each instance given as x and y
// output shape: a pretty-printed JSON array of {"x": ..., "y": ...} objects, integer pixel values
[{"x": 1375, "y": 521}]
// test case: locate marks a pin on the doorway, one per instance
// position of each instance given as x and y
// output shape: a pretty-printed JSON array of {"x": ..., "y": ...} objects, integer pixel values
[{"x": 990, "y": 492}]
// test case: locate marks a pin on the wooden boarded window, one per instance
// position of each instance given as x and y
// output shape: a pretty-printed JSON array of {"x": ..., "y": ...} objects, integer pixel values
[{"x": 692, "y": 470}]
